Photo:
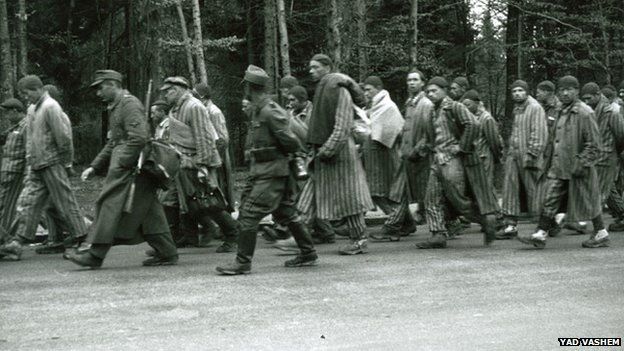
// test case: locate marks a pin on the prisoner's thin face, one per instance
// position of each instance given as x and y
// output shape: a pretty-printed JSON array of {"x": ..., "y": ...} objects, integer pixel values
[
  {"x": 472, "y": 106},
  {"x": 435, "y": 93},
  {"x": 519, "y": 95},
  {"x": 318, "y": 70},
  {"x": 370, "y": 91},
  {"x": 568, "y": 95},
  {"x": 543, "y": 95},
  {"x": 591, "y": 99},
  {"x": 457, "y": 91},
  {"x": 415, "y": 83}
]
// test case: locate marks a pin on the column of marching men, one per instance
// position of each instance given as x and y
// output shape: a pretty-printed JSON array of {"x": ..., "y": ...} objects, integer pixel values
[{"x": 317, "y": 167}]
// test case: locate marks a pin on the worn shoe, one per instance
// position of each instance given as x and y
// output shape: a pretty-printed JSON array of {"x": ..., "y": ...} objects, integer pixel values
[
  {"x": 12, "y": 251},
  {"x": 74, "y": 241},
  {"x": 554, "y": 231},
  {"x": 82, "y": 248},
  {"x": 593, "y": 243},
  {"x": 408, "y": 229},
  {"x": 386, "y": 235},
  {"x": 235, "y": 268},
  {"x": 85, "y": 260},
  {"x": 510, "y": 232},
  {"x": 302, "y": 260},
  {"x": 617, "y": 226},
  {"x": 455, "y": 229},
  {"x": 151, "y": 253},
  {"x": 577, "y": 228},
  {"x": 161, "y": 261},
  {"x": 227, "y": 246},
  {"x": 436, "y": 241},
  {"x": 354, "y": 248},
  {"x": 287, "y": 245},
  {"x": 538, "y": 239},
  {"x": 187, "y": 241},
  {"x": 50, "y": 248}
]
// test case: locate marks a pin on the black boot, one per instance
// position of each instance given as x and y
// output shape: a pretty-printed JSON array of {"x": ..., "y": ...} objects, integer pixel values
[
  {"x": 166, "y": 252},
  {"x": 489, "y": 229},
  {"x": 302, "y": 237},
  {"x": 246, "y": 245}
]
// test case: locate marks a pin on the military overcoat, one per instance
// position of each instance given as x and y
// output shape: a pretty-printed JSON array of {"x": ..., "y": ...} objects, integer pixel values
[{"x": 128, "y": 136}]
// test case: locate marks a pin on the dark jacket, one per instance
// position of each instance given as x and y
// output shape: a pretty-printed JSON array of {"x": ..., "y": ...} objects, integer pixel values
[
  {"x": 270, "y": 140},
  {"x": 578, "y": 138}
]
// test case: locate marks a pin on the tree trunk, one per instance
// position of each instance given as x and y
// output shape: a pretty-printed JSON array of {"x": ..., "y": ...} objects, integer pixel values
[
  {"x": 414, "y": 41},
  {"x": 605, "y": 42},
  {"x": 512, "y": 64},
  {"x": 362, "y": 38},
  {"x": 199, "y": 43},
  {"x": 129, "y": 72},
  {"x": 21, "y": 33},
  {"x": 283, "y": 31},
  {"x": 187, "y": 43},
  {"x": 334, "y": 39},
  {"x": 270, "y": 49},
  {"x": 6, "y": 76}
]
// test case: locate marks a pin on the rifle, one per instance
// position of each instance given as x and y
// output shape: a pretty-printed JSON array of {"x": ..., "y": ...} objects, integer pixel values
[{"x": 130, "y": 198}]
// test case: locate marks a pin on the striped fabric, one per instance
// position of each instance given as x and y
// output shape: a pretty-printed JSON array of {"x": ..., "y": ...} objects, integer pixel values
[
  {"x": 556, "y": 191},
  {"x": 10, "y": 189},
  {"x": 49, "y": 140},
  {"x": 337, "y": 188},
  {"x": 218, "y": 120},
  {"x": 529, "y": 132},
  {"x": 357, "y": 226},
  {"x": 611, "y": 127},
  {"x": 381, "y": 165},
  {"x": 520, "y": 181},
  {"x": 413, "y": 142},
  {"x": 14, "y": 149},
  {"x": 438, "y": 206},
  {"x": 615, "y": 203},
  {"x": 49, "y": 183},
  {"x": 398, "y": 213},
  {"x": 192, "y": 112},
  {"x": 577, "y": 134},
  {"x": 489, "y": 144},
  {"x": 528, "y": 141}
]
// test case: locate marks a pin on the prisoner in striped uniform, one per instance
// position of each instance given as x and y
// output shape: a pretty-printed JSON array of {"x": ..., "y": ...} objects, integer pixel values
[
  {"x": 572, "y": 180},
  {"x": 382, "y": 162},
  {"x": 611, "y": 127},
  {"x": 337, "y": 188},
  {"x": 457, "y": 184},
  {"x": 415, "y": 149},
  {"x": 201, "y": 156},
  {"x": 525, "y": 157},
  {"x": 13, "y": 165},
  {"x": 489, "y": 144},
  {"x": 48, "y": 153}
]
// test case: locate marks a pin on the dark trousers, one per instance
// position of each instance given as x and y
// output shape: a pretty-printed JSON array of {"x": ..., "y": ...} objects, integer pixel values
[
  {"x": 260, "y": 198},
  {"x": 161, "y": 242}
]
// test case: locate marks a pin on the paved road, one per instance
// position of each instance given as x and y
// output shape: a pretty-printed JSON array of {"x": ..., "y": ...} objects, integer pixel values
[{"x": 466, "y": 297}]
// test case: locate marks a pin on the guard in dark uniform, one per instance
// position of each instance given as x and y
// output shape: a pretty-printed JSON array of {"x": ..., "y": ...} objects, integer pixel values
[
  {"x": 114, "y": 224},
  {"x": 270, "y": 188}
]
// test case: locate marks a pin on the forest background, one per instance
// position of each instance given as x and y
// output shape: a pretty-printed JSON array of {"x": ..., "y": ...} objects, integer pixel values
[{"x": 492, "y": 42}]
